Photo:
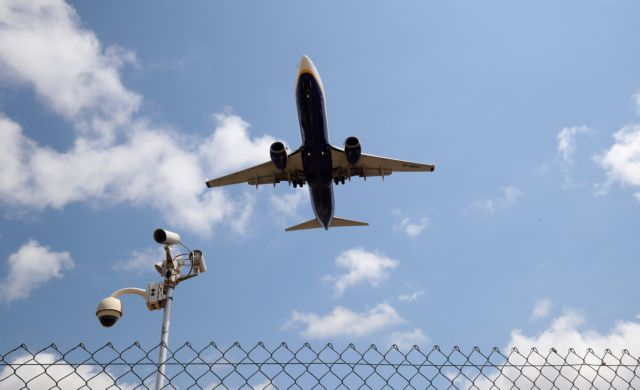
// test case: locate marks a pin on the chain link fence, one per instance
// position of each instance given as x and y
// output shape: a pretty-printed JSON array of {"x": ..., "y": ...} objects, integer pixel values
[{"x": 309, "y": 367}]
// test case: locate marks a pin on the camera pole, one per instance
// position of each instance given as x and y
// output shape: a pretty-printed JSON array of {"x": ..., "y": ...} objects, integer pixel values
[
  {"x": 170, "y": 281},
  {"x": 157, "y": 295},
  {"x": 164, "y": 337}
]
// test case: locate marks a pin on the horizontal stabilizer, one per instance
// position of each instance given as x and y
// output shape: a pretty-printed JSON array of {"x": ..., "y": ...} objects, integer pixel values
[
  {"x": 312, "y": 224},
  {"x": 338, "y": 222},
  {"x": 335, "y": 222}
]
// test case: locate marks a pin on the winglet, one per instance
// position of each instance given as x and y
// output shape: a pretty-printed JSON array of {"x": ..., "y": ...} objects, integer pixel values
[{"x": 335, "y": 222}]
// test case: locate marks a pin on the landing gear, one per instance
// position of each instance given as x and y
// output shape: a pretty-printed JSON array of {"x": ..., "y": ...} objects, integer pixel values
[{"x": 298, "y": 183}]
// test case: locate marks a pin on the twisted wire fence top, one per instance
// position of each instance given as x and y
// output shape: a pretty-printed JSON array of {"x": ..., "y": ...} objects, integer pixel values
[{"x": 309, "y": 367}]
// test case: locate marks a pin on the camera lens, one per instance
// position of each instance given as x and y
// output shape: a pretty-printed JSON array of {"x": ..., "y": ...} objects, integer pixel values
[
  {"x": 160, "y": 236},
  {"x": 108, "y": 321}
]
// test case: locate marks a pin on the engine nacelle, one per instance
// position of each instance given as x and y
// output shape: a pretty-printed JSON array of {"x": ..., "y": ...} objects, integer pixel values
[
  {"x": 278, "y": 155},
  {"x": 352, "y": 150}
]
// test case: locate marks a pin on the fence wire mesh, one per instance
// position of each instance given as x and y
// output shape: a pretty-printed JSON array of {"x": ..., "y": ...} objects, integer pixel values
[{"x": 309, "y": 367}]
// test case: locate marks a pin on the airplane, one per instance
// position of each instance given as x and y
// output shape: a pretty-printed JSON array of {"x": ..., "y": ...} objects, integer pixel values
[{"x": 317, "y": 163}]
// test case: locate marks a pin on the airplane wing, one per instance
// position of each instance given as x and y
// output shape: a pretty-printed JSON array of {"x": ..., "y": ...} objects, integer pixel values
[
  {"x": 369, "y": 165},
  {"x": 265, "y": 173}
]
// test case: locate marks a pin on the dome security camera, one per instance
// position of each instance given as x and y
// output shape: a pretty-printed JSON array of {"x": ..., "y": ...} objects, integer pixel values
[
  {"x": 166, "y": 237},
  {"x": 109, "y": 311}
]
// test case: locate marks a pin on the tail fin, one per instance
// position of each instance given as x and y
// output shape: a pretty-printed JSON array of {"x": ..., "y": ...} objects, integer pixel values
[{"x": 335, "y": 222}]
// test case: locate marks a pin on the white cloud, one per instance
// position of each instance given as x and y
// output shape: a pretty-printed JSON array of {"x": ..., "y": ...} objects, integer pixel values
[
  {"x": 541, "y": 309},
  {"x": 406, "y": 340},
  {"x": 342, "y": 322},
  {"x": 508, "y": 198},
  {"x": 287, "y": 205},
  {"x": 230, "y": 147},
  {"x": 31, "y": 369},
  {"x": 565, "y": 333},
  {"x": 264, "y": 385},
  {"x": 241, "y": 222},
  {"x": 117, "y": 157},
  {"x": 141, "y": 260},
  {"x": 360, "y": 266},
  {"x": 566, "y": 142},
  {"x": 30, "y": 267},
  {"x": 622, "y": 161},
  {"x": 43, "y": 45},
  {"x": 410, "y": 227},
  {"x": 148, "y": 169},
  {"x": 412, "y": 296}
]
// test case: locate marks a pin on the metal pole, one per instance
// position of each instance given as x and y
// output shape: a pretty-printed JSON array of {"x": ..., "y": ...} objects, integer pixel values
[{"x": 164, "y": 337}]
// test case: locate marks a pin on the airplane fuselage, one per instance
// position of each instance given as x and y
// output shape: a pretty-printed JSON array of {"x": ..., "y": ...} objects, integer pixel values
[{"x": 316, "y": 156}]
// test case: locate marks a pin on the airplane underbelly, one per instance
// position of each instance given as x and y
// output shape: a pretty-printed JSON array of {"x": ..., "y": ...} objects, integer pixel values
[
  {"x": 317, "y": 166},
  {"x": 316, "y": 155},
  {"x": 322, "y": 203}
]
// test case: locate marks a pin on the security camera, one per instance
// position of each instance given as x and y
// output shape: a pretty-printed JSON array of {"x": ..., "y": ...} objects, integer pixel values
[
  {"x": 197, "y": 259},
  {"x": 109, "y": 311},
  {"x": 165, "y": 237}
]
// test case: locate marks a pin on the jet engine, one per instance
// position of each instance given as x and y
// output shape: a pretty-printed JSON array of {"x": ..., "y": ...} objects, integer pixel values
[
  {"x": 352, "y": 150},
  {"x": 278, "y": 155}
]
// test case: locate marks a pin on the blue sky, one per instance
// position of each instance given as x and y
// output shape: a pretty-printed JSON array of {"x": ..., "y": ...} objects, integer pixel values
[{"x": 113, "y": 115}]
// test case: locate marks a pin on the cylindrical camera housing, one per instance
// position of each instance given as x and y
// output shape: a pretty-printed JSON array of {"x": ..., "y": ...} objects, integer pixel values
[{"x": 166, "y": 237}]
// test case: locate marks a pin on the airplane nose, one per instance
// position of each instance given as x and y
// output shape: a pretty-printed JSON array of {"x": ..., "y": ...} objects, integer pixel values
[{"x": 306, "y": 65}]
